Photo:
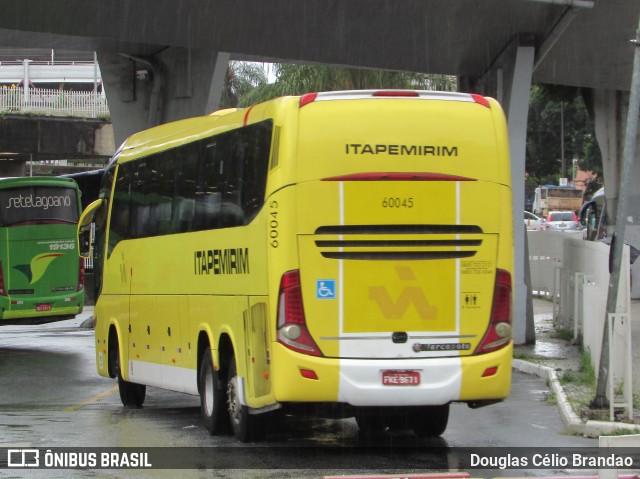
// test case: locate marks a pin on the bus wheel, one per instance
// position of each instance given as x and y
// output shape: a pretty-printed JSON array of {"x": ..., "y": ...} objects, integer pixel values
[
  {"x": 211, "y": 388},
  {"x": 246, "y": 427},
  {"x": 131, "y": 394},
  {"x": 430, "y": 421}
]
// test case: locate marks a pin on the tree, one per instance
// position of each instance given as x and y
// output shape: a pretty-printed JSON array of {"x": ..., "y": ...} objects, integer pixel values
[
  {"x": 299, "y": 79},
  {"x": 241, "y": 78},
  {"x": 549, "y": 106}
]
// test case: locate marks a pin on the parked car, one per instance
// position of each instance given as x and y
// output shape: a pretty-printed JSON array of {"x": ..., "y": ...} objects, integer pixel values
[
  {"x": 562, "y": 221},
  {"x": 533, "y": 222}
]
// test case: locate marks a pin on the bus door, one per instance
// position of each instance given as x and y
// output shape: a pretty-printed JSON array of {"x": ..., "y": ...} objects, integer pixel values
[{"x": 257, "y": 342}]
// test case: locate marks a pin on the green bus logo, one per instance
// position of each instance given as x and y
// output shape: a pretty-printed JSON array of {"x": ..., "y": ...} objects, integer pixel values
[{"x": 38, "y": 266}]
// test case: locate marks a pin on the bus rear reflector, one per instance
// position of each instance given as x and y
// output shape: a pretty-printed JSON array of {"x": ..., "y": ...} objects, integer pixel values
[
  {"x": 398, "y": 177},
  {"x": 308, "y": 374},
  {"x": 292, "y": 327},
  {"x": 490, "y": 372},
  {"x": 498, "y": 333}
]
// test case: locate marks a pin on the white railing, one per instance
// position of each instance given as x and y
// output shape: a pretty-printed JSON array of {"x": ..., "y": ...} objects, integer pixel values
[
  {"x": 575, "y": 274},
  {"x": 53, "y": 102}
]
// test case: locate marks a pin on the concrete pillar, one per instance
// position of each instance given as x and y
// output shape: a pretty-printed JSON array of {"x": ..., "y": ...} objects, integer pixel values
[
  {"x": 509, "y": 81},
  {"x": 174, "y": 84},
  {"x": 609, "y": 110}
]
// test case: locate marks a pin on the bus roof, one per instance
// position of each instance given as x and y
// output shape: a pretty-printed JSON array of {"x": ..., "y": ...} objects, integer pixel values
[
  {"x": 168, "y": 135},
  {"x": 15, "y": 182}
]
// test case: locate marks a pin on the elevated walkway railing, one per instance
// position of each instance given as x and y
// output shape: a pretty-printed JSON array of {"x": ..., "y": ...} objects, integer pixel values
[
  {"x": 37, "y": 72},
  {"x": 53, "y": 102}
]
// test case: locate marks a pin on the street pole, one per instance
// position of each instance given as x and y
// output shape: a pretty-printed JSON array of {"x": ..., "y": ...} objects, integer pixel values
[
  {"x": 95, "y": 85},
  {"x": 617, "y": 243},
  {"x": 563, "y": 162},
  {"x": 25, "y": 87}
]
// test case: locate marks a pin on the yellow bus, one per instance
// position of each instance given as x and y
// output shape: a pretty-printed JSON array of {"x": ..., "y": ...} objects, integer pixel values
[{"x": 342, "y": 252}]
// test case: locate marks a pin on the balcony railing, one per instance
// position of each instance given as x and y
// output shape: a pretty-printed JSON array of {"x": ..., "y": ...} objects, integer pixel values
[{"x": 53, "y": 102}]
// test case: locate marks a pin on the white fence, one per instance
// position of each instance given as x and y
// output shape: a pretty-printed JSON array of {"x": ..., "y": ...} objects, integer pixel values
[
  {"x": 574, "y": 274},
  {"x": 53, "y": 102}
]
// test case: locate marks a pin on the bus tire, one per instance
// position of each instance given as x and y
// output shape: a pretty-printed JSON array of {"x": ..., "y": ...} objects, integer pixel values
[
  {"x": 212, "y": 403},
  {"x": 131, "y": 394},
  {"x": 246, "y": 427},
  {"x": 430, "y": 421}
]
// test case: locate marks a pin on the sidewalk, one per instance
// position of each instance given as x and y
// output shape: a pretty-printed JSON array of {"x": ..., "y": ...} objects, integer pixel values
[{"x": 556, "y": 359}]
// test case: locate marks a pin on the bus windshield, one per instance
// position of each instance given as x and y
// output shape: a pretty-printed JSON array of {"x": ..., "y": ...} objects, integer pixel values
[{"x": 39, "y": 204}]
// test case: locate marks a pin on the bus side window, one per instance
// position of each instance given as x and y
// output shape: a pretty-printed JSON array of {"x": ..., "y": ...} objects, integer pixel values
[
  {"x": 119, "y": 224},
  {"x": 209, "y": 194}
]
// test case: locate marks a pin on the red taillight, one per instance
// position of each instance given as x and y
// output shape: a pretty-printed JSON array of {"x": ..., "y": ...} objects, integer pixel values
[
  {"x": 308, "y": 98},
  {"x": 396, "y": 93},
  {"x": 3, "y": 291},
  {"x": 80, "y": 274},
  {"x": 292, "y": 327},
  {"x": 479, "y": 99},
  {"x": 498, "y": 334},
  {"x": 398, "y": 177}
]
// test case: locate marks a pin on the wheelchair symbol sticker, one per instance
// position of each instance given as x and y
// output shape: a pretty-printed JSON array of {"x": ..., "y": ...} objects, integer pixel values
[{"x": 326, "y": 289}]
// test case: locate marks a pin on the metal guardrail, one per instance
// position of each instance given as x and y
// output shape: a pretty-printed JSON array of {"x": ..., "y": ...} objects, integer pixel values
[
  {"x": 574, "y": 274},
  {"x": 53, "y": 102},
  {"x": 35, "y": 73}
]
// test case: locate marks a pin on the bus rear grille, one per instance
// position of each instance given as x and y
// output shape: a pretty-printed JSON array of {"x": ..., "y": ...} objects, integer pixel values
[
  {"x": 397, "y": 255},
  {"x": 398, "y": 229},
  {"x": 421, "y": 242}
]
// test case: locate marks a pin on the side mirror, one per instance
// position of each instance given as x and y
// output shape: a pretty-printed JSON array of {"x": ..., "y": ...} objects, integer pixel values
[{"x": 84, "y": 227}]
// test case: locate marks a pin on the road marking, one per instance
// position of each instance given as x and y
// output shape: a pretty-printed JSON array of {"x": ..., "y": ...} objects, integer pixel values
[{"x": 92, "y": 400}]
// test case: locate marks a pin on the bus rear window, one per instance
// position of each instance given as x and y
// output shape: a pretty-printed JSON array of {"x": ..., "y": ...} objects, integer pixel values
[{"x": 47, "y": 204}]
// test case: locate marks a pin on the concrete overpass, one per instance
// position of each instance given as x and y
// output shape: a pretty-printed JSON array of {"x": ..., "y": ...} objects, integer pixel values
[
  {"x": 162, "y": 60},
  {"x": 38, "y": 139}
]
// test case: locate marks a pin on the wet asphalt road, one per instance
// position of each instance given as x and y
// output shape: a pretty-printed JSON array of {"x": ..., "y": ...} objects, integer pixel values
[{"x": 51, "y": 396}]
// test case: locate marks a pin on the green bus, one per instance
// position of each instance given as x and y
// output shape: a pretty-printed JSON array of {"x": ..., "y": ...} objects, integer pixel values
[{"x": 41, "y": 272}]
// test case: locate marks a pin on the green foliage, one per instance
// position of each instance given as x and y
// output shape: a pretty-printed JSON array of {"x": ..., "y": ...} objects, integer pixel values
[
  {"x": 587, "y": 370},
  {"x": 551, "y": 110},
  {"x": 240, "y": 80},
  {"x": 564, "y": 334},
  {"x": 299, "y": 79},
  {"x": 586, "y": 376}
]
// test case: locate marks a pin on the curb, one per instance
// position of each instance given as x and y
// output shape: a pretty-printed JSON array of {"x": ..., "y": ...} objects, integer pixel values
[{"x": 571, "y": 420}]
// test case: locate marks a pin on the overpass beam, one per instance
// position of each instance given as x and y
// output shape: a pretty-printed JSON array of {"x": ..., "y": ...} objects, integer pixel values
[
  {"x": 509, "y": 81},
  {"x": 175, "y": 83}
]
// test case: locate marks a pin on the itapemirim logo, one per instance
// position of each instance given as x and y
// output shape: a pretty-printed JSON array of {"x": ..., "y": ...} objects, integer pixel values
[{"x": 38, "y": 266}]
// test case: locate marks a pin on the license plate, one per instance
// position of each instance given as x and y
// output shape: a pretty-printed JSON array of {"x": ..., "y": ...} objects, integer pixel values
[
  {"x": 400, "y": 378},
  {"x": 43, "y": 307}
]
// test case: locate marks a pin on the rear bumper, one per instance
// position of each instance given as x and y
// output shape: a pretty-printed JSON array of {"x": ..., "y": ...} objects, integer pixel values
[
  {"x": 359, "y": 381},
  {"x": 25, "y": 308}
]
